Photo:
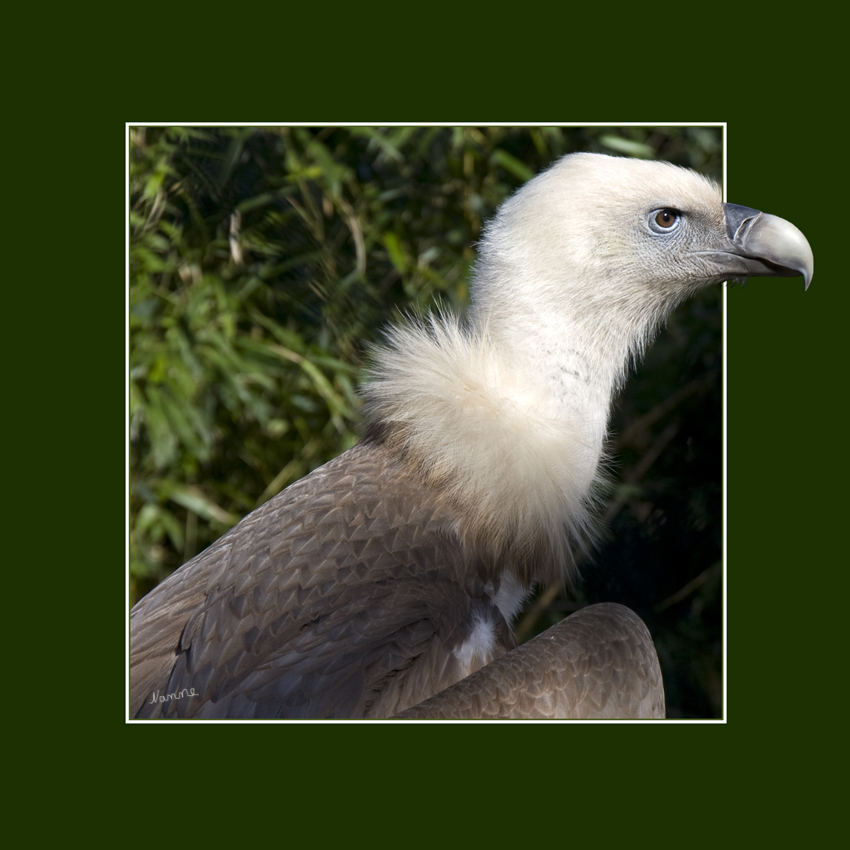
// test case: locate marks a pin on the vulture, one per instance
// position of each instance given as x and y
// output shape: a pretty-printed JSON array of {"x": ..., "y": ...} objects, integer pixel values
[{"x": 384, "y": 583}]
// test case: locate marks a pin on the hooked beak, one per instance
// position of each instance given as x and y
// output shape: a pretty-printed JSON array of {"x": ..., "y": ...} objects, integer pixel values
[{"x": 762, "y": 245}]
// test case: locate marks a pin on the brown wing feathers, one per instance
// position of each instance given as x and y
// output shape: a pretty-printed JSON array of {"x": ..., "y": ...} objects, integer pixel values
[
  {"x": 332, "y": 600},
  {"x": 598, "y": 663}
]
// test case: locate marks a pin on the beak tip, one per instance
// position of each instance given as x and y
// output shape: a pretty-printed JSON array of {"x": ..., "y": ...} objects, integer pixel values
[{"x": 772, "y": 241}]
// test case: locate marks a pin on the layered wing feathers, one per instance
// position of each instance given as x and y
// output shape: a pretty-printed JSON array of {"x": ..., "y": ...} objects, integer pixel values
[{"x": 331, "y": 600}]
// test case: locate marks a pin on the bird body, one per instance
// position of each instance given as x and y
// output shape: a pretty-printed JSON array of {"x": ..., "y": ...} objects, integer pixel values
[{"x": 394, "y": 571}]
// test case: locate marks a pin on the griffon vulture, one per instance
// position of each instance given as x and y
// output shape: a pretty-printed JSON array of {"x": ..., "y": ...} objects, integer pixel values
[{"x": 392, "y": 573}]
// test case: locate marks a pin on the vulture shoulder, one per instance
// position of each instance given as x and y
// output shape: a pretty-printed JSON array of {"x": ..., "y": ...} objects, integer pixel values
[{"x": 331, "y": 600}]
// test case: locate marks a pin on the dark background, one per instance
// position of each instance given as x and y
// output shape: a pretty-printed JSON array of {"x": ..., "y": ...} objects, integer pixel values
[
  {"x": 263, "y": 263},
  {"x": 769, "y": 772}
]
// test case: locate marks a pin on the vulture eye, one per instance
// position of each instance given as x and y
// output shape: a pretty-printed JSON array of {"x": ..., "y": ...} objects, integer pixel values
[{"x": 664, "y": 220}]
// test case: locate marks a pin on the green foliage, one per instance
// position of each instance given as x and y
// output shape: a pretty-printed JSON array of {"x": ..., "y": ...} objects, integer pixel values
[{"x": 265, "y": 261}]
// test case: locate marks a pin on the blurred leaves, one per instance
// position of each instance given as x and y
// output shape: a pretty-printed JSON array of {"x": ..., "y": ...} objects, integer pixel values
[{"x": 265, "y": 261}]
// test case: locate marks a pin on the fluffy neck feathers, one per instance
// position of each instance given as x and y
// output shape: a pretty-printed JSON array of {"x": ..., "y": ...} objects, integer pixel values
[{"x": 491, "y": 437}]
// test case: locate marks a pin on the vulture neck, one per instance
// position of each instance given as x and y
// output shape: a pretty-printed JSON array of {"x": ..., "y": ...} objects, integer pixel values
[
  {"x": 572, "y": 339},
  {"x": 505, "y": 416}
]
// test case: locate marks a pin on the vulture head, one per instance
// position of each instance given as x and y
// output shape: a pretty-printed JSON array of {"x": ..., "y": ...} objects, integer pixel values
[
  {"x": 603, "y": 248},
  {"x": 394, "y": 571}
]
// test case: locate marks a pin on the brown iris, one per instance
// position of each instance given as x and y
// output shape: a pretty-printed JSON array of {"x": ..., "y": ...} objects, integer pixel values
[{"x": 666, "y": 218}]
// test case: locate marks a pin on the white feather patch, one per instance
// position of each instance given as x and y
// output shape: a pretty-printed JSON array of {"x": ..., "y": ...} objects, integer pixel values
[
  {"x": 479, "y": 647},
  {"x": 511, "y": 597}
]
